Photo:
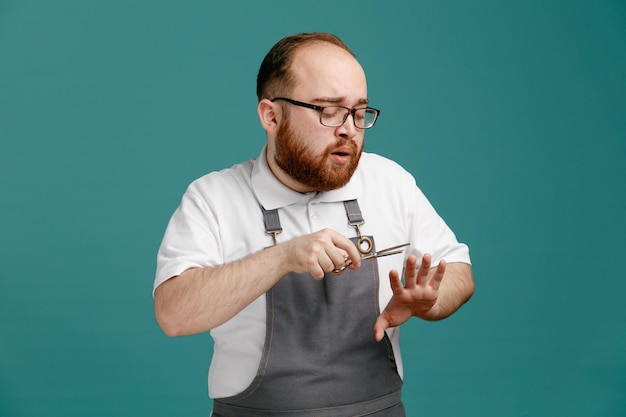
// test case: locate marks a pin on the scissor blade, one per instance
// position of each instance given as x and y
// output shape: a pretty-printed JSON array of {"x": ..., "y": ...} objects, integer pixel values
[
  {"x": 386, "y": 252},
  {"x": 381, "y": 254},
  {"x": 394, "y": 247}
]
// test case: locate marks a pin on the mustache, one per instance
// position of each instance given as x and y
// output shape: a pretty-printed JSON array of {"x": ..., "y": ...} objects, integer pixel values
[{"x": 342, "y": 143}]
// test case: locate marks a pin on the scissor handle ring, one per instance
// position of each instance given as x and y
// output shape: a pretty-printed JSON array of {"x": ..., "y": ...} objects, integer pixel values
[{"x": 365, "y": 245}]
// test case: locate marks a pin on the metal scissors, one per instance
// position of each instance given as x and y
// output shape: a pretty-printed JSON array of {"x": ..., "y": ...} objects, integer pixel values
[{"x": 383, "y": 252}]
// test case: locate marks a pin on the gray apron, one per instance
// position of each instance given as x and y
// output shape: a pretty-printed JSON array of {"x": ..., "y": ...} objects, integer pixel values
[{"x": 320, "y": 358}]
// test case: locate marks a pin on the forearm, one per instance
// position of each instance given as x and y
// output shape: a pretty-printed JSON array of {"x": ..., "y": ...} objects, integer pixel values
[
  {"x": 200, "y": 299},
  {"x": 456, "y": 289}
]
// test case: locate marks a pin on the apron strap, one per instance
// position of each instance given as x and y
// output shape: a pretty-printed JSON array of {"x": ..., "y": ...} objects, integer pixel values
[
  {"x": 272, "y": 223},
  {"x": 355, "y": 219},
  {"x": 353, "y": 211}
]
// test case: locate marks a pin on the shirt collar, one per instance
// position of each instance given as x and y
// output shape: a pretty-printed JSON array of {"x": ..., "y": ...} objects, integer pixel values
[{"x": 273, "y": 194}]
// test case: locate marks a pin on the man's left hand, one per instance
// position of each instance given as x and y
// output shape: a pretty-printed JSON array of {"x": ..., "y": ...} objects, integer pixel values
[{"x": 417, "y": 297}]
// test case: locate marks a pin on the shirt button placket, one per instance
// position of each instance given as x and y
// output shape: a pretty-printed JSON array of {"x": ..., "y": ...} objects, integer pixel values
[{"x": 312, "y": 217}]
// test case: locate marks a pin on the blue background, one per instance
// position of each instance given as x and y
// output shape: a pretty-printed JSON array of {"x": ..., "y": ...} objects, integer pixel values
[{"x": 510, "y": 114}]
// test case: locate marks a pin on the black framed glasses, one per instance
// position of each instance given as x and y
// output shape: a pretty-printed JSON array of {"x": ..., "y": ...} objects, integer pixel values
[{"x": 335, "y": 116}]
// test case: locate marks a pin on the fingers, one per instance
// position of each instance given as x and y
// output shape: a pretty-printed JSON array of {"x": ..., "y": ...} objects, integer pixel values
[
  {"x": 323, "y": 252},
  {"x": 435, "y": 282},
  {"x": 424, "y": 270},
  {"x": 348, "y": 250},
  {"x": 394, "y": 282},
  {"x": 416, "y": 297},
  {"x": 410, "y": 272},
  {"x": 342, "y": 253},
  {"x": 417, "y": 277},
  {"x": 425, "y": 275}
]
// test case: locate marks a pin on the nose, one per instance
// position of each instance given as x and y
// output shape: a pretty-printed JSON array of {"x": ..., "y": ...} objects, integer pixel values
[{"x": 347, "y": 130}]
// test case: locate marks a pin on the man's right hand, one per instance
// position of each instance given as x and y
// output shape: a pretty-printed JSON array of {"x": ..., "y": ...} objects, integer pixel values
[{"x": 321, "y": 252}]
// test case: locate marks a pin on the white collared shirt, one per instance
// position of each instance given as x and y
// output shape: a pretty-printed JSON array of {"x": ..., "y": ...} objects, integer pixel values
[{"x": 219, "y": 220}]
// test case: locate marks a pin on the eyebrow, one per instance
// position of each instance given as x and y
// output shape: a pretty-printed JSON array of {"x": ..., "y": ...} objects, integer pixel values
[{"x": 335, "y": 100}]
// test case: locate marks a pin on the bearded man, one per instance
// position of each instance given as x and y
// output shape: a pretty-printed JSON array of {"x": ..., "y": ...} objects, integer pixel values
[{"x": 277, "y": 256}]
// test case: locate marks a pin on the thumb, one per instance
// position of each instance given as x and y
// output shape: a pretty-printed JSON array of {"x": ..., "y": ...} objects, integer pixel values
[{"x": 379, "y": 328}]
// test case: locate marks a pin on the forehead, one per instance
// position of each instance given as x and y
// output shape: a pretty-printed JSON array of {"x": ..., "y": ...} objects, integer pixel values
[{"x": 324, "y": 70}]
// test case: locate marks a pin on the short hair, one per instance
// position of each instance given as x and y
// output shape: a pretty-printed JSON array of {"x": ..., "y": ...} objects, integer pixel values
[{"x": 275, "y": 76}]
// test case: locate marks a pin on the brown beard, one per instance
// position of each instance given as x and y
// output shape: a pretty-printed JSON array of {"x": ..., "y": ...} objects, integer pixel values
[{"x": 315, "y": 172}]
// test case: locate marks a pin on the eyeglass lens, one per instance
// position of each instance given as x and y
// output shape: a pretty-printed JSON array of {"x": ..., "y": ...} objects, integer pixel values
[{"x": 335, "y": 116}]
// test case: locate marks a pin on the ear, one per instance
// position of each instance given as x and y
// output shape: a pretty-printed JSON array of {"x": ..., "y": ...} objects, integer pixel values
[{"x": 269, "y": 115}]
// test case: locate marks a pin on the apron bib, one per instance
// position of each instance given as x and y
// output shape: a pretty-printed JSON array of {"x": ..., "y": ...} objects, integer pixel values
[{"x": 320, "y": 357}]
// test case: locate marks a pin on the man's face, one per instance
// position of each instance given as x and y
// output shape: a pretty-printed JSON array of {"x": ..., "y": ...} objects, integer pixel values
[{"x": 304, "y": 154}]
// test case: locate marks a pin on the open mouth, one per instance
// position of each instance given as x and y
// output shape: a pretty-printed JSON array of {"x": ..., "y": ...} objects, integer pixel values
[
  {"x": 343, "y": 151},
  {"x": 341, "y": 156}
]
